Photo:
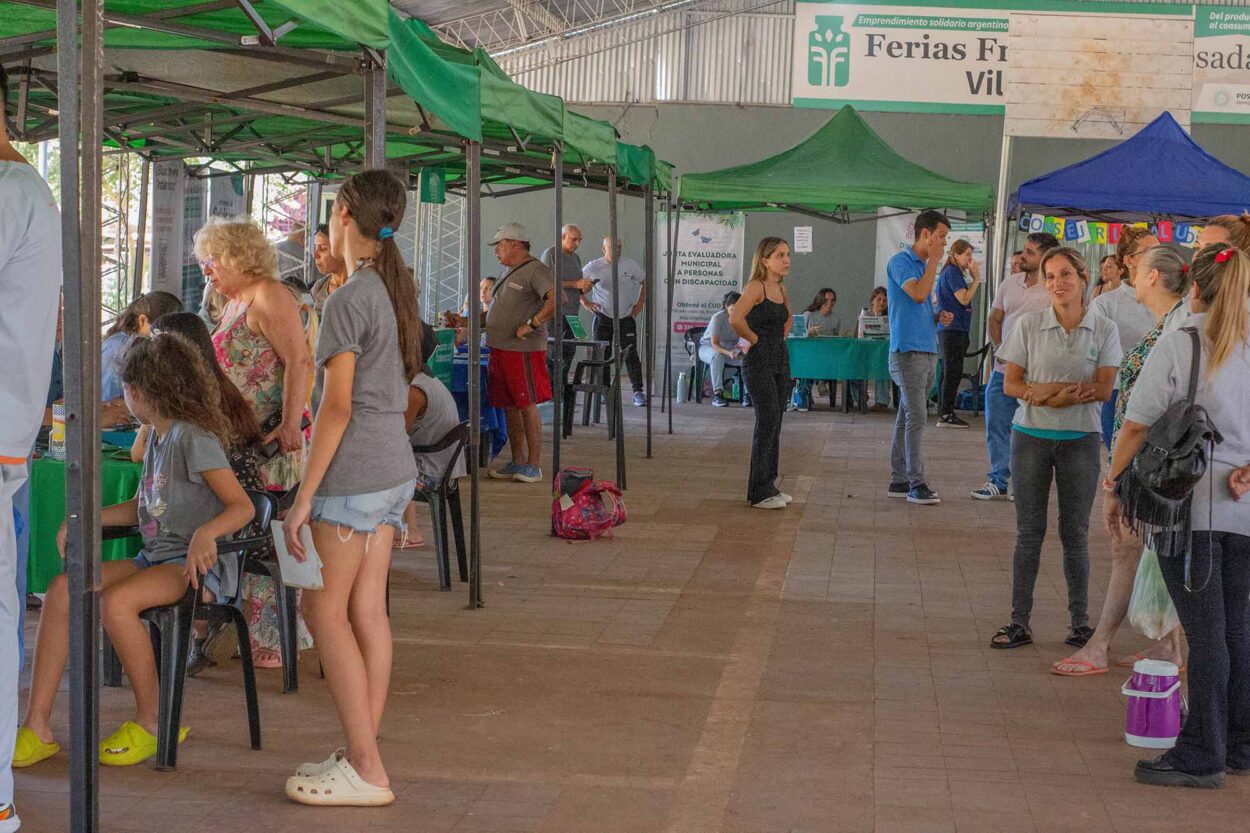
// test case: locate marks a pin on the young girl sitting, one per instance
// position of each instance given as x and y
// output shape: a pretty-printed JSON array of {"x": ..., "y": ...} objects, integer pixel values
[
  {"x": 211, "y": 646},
  {"x": 187, "y": 499}
]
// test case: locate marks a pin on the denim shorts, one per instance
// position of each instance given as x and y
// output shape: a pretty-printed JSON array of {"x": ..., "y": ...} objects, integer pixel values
[
  {"x": 216, "y": 580},
  {"x": 365, "y": 513}
]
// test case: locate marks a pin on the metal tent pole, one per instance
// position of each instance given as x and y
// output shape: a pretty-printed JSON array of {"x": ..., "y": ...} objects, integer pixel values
[
  {"x": 375, "y": 113},
  {"x": 473, "y": 246},
  {"x": 674, "y": 233},
  {"x": 998, "y": 256},
  {"x": 668, "y": 245},
  {"x": 312, "y": 216},
  {"x": 649, "y": 318},
  {"x": 81, "y": 138},
  {"x": 557, "y": 384},
  {"x": 616, "y": 414},
  {"x": 137, "y": 289}
]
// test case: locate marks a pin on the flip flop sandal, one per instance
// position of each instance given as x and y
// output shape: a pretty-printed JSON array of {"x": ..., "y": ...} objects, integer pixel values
[
  {"x": 309, "y": 770},
  {"x": 1084, "y": 668},
  {"x": 1129, "y": 662},
  {"x": 410, "y": 544},
  {"x": 30, "y": 750},
  {"x": 1016, "y": 636},
  {"x": 339, "y": 786},
  {"x": 1077, "y": 637},
  {"x": 131, "y": 744}
]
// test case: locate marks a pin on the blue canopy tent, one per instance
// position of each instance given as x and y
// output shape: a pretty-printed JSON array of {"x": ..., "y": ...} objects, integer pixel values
[{"x": 1160, "y": 172}]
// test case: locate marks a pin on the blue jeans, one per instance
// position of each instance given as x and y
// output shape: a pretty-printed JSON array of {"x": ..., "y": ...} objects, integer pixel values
[
  {"x": 1108, "y": 417},
  {"x": 1000, "y": 410}
]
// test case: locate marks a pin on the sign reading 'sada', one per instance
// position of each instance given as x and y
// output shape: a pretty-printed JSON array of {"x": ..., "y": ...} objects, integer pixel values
[{"x": 916, "y": 58}]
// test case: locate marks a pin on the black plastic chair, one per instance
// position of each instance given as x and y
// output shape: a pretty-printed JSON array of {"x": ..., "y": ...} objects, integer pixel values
[
  {"x": 974, "y": 378},
  {"x": 172, "y": 638},
  {"x": 699, "y": 368},
  {"x": 446, "y": 496},
  {"x": 596, "y": 390},
  {"x": 264, "y": 562}
]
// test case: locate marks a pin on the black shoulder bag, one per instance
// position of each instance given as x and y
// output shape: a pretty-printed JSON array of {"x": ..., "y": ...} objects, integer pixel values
[{"x": 1156, "y": 489}]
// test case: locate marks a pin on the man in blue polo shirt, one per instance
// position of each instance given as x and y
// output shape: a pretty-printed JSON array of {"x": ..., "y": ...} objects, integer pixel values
[{"x": 910, "y": 277}]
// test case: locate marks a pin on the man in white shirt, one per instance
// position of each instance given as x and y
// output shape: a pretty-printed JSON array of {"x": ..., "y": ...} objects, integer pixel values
[
  {"x": 30, "y": 285},
  {"x": 1133, "y": 321},
  {"x": 632, "y": 297},
  {"x": 1020, "y": 293}
]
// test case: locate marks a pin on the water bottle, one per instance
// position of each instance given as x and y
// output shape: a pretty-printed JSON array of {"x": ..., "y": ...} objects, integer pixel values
[
  {"x": 683, "y": 387},
  {"x": 56, "y": 438}
]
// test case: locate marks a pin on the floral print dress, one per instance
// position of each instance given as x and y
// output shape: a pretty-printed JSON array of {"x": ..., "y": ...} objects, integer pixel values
[
  {"x": 250, "y": 361},
  {"x": 1131, "y": 365}
]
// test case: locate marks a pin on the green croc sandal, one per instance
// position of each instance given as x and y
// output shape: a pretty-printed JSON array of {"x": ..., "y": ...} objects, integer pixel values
[
  {"x": 131, "y": 744},
  {"x": 30, "y": 750}
]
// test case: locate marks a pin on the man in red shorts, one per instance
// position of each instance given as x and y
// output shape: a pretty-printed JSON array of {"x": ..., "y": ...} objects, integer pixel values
[{"x": 516, "y": 333}]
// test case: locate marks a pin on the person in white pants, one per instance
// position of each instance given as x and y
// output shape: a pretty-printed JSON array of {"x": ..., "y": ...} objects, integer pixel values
[{"x": 30, "y": 286}]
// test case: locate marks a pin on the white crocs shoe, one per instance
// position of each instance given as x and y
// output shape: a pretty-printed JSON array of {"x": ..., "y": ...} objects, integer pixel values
[
  {"x": 339, "y": 786},
  {"x": 309, "y": 770}
]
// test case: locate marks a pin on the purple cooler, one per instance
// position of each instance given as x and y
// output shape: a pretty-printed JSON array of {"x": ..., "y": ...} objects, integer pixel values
[{"x": 1153, "y": 719}]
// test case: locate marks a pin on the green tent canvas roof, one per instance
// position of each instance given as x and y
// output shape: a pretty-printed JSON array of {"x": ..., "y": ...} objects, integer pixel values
[{"x": 842, "y": 168}]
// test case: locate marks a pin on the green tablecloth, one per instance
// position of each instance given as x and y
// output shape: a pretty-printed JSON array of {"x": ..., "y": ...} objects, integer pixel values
[
  {"x": 47, "y": 510},
  {"x": 839, "y": 358}
]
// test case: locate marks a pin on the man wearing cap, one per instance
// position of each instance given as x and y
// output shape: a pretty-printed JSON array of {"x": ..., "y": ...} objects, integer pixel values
[{"x": 516, "y": 333}]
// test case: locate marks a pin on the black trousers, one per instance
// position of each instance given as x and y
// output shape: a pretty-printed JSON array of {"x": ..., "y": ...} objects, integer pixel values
[
  {"x": 953, "y": 344},
  {"x": 1217, "y": 733},
  {"x": 569, "y": 352},
  {"x": 629, "y": 346},
  {"x": 770, "y": 391}
]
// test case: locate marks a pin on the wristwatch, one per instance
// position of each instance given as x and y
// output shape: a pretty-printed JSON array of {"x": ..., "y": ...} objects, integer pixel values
[{"x": 532, "y": 323}]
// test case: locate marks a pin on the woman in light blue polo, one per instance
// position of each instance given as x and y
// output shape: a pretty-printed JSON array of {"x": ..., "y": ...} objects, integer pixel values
[{"x": 1061, "y": 365}]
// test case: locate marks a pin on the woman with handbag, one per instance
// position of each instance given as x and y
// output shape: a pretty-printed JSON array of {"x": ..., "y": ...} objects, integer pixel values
[
  {"x": 1162, "y": 286},
  {"x": 1061, "y": 363},
  {"x": 1198, "y": 379}
]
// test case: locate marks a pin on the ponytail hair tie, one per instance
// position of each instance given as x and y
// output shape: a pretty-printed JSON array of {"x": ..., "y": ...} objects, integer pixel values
[
  {"x": 1224, "y": 256},
  {"x": 1184, "y": 268},
  {"x": 386, "y": 233}
]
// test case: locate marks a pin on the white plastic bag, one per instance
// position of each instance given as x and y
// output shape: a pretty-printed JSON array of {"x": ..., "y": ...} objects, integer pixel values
[{"x": 1150, "y": 610}]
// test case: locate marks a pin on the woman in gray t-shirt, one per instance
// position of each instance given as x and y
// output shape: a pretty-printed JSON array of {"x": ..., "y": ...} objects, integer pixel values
[
  {"x": 1212, "y": 596},
  {"x": 360, "y": 477},
  {"x": 1061, "y": 363}
]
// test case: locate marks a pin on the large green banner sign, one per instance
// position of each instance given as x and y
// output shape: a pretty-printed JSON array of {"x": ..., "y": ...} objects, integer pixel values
[{"x": 923, "y": 56}]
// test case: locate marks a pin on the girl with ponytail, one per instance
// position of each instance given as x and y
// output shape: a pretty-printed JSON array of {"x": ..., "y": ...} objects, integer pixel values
[
  {"x": 360, "y": 477},
  {"x": 1214, "y": 612}
]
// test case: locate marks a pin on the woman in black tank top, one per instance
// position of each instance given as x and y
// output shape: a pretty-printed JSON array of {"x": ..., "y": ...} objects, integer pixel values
[{"x": 762, "y": 317}]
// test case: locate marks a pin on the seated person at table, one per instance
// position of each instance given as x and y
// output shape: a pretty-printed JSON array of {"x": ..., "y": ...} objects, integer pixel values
[
  {"x": 431, "y": 415},
  {"x": 718, "y": 348},
  {"x": 134, "y": 321},
  {"x": 820, "y": 321},
  {"x": 460, "y": 321},
  {"x": 187, "y": 499},
  {"x": 878, "y": 307}
]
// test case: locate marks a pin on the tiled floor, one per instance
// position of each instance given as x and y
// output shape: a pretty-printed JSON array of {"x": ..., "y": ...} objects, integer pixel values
[{"x": 712, "y": 668}]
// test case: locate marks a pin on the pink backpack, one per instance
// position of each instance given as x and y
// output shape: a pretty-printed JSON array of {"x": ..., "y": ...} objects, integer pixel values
[{"x": 583, "y": 508}]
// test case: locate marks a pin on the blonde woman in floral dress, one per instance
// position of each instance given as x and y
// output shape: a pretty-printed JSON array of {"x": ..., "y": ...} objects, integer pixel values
[{"x": 261, "y": 346}]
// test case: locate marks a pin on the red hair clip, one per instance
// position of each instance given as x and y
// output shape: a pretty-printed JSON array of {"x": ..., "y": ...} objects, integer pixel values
[
  {"x": 1224, "y": 256},
  {"x": 1184, "y": 268}
]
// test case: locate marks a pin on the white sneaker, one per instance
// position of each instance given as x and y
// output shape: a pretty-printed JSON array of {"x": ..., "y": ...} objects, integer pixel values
[
  {"x": 9, "y": 822},
  {"x": 774, "y": 502},
  {"x": 785, "y": 497}
]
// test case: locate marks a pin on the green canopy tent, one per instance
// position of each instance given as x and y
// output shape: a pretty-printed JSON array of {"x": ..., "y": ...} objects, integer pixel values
[{"x": 842, "y": 170}]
